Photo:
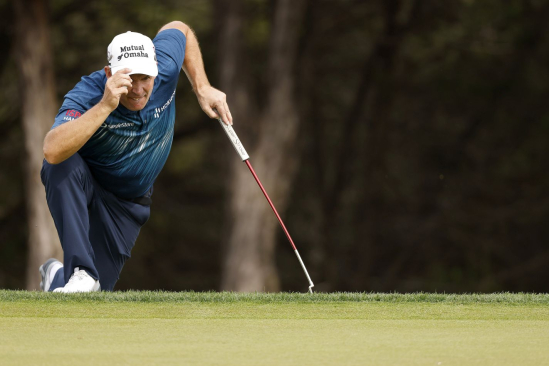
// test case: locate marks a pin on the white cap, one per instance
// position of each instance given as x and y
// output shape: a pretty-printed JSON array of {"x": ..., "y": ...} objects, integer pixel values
[{"x": 134, "y": 51}]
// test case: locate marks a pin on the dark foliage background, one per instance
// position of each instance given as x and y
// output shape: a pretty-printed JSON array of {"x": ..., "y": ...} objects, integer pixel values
[{"x": 423, "y": 136}]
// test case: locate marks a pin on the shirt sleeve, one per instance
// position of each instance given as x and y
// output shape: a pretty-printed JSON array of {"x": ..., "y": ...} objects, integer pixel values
[
  {"x": 85, "y": 94},
  {"x": 66, "y": 114},
  {"x": 170, "y": 45}
]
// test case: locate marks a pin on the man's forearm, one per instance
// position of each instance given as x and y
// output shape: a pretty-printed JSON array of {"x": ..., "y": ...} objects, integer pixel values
[
  {"x": 65, "y": 140},
  {"x": 193, "y": 64},
  {"x": 212, "y": 101}
]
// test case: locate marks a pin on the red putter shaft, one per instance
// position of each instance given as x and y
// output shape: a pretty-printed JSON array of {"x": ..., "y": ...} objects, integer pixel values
[
  {"x": 311, "y": 285},
  {"x": 270, "y": 203},
  {"x": 245, "y": 157}
]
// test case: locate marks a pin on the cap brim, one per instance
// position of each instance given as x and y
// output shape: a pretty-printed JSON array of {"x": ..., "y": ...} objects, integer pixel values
[{"x": 151, "y": 70}]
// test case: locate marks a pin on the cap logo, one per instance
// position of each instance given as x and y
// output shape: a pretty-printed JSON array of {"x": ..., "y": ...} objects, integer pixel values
[{"x": 124, "y": 52}]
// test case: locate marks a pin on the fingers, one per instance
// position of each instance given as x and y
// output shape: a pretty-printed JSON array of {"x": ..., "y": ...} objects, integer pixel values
[
  {"x": 214, "y": 104},
  {"x": 125, "y": 79},
  {"x": 210, "y": 112},
  {"x": 223, "y": 113},
  {"x": 125, "y": 82},
  {"x": 229, "y": 115},
  {"x": 117, "y": 85},
  {"x": 120, "y": 80},
  {"x": 222, "y": 109},
  {"x": 120, "y": 91},
  {"x": 122, "y": 77}
]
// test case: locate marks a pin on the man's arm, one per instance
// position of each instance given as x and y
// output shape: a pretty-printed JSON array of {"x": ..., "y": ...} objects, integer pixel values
[
  {"x": 63, "y": 141},
  {"x": 209, "y": 98}
]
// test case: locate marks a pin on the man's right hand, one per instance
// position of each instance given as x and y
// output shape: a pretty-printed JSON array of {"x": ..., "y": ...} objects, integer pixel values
[
  {"x": 117, "y": 84},
  {"x": 65, "y": 140}
]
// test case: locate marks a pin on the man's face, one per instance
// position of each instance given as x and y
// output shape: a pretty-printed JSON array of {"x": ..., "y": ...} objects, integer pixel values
[{"x": 139, "y": 93}]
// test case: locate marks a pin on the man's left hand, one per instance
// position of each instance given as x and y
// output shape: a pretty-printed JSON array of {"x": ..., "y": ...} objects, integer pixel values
[{"x": 212, "y": 100}]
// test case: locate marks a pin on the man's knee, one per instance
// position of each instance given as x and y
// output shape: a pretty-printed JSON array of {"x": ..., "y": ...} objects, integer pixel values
[
  {"x": 54, "y": 173},
  {"x": 70, "y": 178}
]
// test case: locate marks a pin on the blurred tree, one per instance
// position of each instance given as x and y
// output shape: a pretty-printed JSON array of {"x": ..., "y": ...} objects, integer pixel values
[
  {"x": 249, "y": 264},
  {"x": 38, "y": 105}
]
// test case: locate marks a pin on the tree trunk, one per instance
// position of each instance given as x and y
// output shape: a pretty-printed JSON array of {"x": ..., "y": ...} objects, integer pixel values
[
  {"x": 249, "y": 261},
  {"x": 34, "y": 59}
]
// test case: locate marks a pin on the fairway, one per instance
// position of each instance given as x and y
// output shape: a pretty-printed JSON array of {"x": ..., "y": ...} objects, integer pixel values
[{"x": 161, "y": 328}]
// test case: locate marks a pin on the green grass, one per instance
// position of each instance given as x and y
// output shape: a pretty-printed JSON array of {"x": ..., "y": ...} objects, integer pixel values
[{"x": 146, "y": 328}]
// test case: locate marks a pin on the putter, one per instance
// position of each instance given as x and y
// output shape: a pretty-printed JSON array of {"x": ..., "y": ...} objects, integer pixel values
[{"x": 245, "y": 158}]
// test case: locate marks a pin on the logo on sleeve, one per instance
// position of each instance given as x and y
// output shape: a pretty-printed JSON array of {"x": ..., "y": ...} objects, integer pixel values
[
  {"x": 71, "y": 114},
  {"x": 157, "y": 111}
]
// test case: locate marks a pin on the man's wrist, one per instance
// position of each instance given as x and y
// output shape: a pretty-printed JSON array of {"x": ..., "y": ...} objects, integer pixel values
[
  {"x": 104, "y": 108},
  {"x": 202, "y": 89}
]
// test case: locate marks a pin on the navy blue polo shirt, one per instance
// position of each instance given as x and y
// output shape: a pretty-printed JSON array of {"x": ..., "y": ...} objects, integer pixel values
[{"x": 128, "y": 151}]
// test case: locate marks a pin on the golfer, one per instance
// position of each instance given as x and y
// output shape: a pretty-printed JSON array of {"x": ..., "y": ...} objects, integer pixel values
[{"x": 108, "y": 144}]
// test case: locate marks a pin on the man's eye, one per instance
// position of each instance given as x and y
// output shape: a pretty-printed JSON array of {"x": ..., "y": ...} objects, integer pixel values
[{"x": 146, "y": 78}]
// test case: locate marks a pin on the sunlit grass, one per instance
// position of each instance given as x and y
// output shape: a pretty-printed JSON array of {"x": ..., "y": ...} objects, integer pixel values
[{"x": 224, "y": 328}]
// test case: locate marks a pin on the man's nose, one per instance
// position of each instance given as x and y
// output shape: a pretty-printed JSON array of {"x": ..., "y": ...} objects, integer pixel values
[{"x": 137, "y": 88}]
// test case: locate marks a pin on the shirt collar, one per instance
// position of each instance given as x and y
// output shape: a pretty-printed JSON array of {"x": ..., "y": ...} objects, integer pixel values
[{"x": 125, "y": 111}]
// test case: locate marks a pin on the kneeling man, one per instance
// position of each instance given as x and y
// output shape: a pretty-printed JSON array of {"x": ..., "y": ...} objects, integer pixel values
[{"x": 108, "y": 144}]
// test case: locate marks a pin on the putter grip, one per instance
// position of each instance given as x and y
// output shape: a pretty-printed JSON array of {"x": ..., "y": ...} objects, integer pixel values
[{"x": 234, "y": 140}]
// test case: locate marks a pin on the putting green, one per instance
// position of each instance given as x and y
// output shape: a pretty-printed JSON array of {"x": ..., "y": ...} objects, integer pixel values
[{"x": 282, "y": 329}]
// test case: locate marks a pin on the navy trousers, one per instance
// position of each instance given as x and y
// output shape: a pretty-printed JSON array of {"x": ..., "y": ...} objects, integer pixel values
[{"x": 97, "y": 229}]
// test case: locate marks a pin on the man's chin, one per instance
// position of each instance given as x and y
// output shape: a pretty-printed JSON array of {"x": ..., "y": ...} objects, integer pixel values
[{"x": 132, "y": 105}]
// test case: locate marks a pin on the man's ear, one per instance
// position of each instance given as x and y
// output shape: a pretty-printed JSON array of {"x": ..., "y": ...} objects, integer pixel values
[{"x": 108, "y": 71}]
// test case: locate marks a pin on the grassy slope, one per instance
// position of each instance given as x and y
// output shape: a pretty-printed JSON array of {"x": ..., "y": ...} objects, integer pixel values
[{"x": 273, "y": 329}]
